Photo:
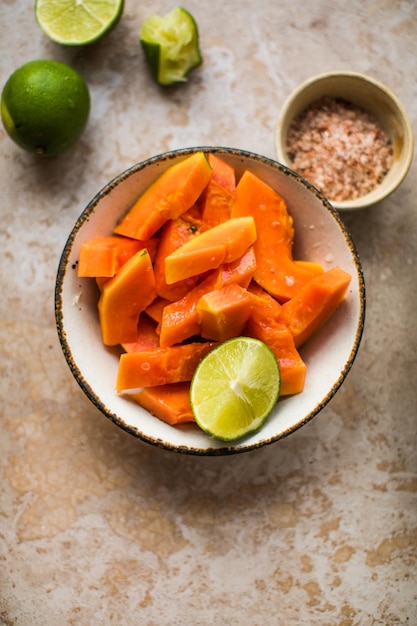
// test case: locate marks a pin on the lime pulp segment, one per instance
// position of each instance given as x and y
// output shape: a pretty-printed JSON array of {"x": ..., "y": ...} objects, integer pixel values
[
  {"x": 235, "y": 387},
  {"x": 77, "y": 22},
  {"x": 171, "y": 45}
]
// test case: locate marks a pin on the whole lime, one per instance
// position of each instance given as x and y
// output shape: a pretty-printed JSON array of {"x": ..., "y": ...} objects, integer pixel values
[{"x": 45, "y": 106}]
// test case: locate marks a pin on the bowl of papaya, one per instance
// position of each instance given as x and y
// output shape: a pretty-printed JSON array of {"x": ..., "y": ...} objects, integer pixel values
[{"x": 270, "y": 243}]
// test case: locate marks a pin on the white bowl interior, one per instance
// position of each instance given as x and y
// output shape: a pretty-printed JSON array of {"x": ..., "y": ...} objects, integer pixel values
[
  {"x": 369, "y": 95},
  {"x": 320, "y": 236}
]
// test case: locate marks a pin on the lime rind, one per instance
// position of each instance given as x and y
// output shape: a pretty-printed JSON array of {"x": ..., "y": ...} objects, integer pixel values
[
  {"x": 7, "y": 118},
  {"x": 74, "y": 23},
  {"x": 45, "y": 107},
  {"x": 234, "y": 388},
  {"x": 171, "y": 45}
]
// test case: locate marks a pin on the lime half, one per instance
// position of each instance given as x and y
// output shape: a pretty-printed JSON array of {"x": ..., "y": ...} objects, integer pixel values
[
  {"x": 171, "y": 45},
  {"x": 77, "y": 22},
  {"x": 235, "y": 387}
]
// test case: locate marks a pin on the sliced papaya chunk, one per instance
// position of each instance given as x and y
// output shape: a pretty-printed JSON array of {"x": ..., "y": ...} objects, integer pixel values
[
  {"x": 160, "y": 366},
  {"x": 223, "y": 243},
  {"x": 277, "y": 336},
  {"x": 314, "y": 303},
  {"x": 173, "y": 193},
  {"x": 217, "y": 198},
  {"x": 222, "y": 313},
  {"x": 169, "y": 403},
  {"x": 174, "y": 234},
  {"x": 102, "y": 257},
  {"x": 124, "y": 297},
  {"x": 276, "y": 271}
]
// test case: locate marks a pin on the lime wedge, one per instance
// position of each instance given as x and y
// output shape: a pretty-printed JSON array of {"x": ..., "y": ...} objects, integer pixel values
[
  {"x": 234, "y": 388},
  {"x": 171, "y": 45},
  {"x": 77, "y": 22}
]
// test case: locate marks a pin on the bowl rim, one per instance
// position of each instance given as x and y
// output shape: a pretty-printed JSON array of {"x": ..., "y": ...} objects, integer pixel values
[
  {"x": 380, "y": 192},
  {"x": 229, "y": 447}
]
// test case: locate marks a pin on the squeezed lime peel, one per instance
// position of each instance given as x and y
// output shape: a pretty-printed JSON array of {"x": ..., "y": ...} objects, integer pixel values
[{"x": 171, "y": 45}]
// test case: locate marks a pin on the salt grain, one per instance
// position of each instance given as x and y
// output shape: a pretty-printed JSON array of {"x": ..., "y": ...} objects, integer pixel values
[{"x": 339, "y": 148}]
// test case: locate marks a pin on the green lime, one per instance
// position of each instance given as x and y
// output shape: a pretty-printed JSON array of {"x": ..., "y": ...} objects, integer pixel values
[
  {"x": 45, "y": 107},
  {"x": 171, "y": 45},
  {"x": 77, "y": 22},
  {"x": 235, "y": 387}
]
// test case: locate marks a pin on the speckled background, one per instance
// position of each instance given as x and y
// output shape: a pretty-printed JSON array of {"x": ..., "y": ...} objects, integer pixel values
[{"x": 99, "y": 528}]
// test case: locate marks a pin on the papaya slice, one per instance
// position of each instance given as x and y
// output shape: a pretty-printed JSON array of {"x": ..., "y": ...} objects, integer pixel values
[
  {"x": 174, "y": 192},
  {"x": 275, "y": 271},
  {"x": 102, "y": 257},
  {"x": 160, "y": 366},
  {"x": 223, "y": 243},
  {"x": 174, "y": 234},
  {"x": 222, "y": 313},
  {"x": 146, "y": 337},
  {"x": 315, "y": 303},
  {"x": 169, "y": 403},
  {"x": 278, "y": 337},
  {"x": 180, "y": 319},
  {"x": 265, "y": 305},
  {"x": 311, "y": 266},
  {"x": 240, "y": 271},
  {"x": 124, "y": 297},
  {"x": 217, "y": 198},
  {"x": 156, "y": 308},
  {"x": 222, "y": 173}
]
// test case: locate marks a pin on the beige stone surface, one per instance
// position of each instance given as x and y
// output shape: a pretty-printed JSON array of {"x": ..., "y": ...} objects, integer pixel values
[{"x": 97, "y": 527}]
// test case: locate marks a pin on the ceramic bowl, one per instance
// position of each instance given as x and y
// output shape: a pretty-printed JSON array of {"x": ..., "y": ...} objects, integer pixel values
[
  {"x": 320, "y": 236},
  {"x": 371, "y": 96}
]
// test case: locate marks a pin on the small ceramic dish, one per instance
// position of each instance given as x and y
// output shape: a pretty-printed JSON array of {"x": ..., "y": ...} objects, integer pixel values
[
  {"x": 370, "y": 96},
  {"x": 329, "y": 355}
]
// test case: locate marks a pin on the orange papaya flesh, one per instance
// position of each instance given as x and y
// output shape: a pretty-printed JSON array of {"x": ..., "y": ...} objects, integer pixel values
[
  {"x": 216, "y": 200},
  {"x": 103, "y": 256},
  {"x": 275, "y": 271},
  {"x": 215, "y": 204},
  {"x": 265, "y": 305},
  {"x": 180, "y": 318},
  {"x": 277, "y": 336},
  {"x": 193, "y": 263},
  {"x": 160, "y": 366},
  {"x": 156, "y": 308},
  {"x": 240, "y": 271},
  {"x": 146, "y": 337},
  {"x": 223, "y": 243},
  {"x": 169, "y": 403},
  {"x": 124, "y": 297},
  {"x": 222, "y": 313},
  {"x": 315, "y": 303},
  {"x": 174, "y": 192},
  {"x": 173, "y": 235},
  {"x": 101, "y": 281},
  {"x": 222, "y": 173},
  {"x": 310, "y": 266}
]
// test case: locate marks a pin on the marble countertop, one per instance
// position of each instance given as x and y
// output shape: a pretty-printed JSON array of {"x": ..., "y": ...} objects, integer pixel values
[{"x": 97, "y": 527}]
